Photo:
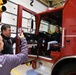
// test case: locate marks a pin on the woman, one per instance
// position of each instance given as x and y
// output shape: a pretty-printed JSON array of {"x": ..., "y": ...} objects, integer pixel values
[{"x": 55, "y": 37}]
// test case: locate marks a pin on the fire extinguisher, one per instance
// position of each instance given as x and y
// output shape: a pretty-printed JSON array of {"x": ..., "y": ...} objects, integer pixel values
[{"x": 34, "y": 64}]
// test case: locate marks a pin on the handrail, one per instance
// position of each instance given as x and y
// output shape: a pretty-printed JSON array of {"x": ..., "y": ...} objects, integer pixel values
[{"x": 63, "y": 33}]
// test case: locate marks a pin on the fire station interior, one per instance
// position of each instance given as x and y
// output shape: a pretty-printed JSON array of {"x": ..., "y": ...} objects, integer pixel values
[
  {"x": 38, "y": 27},
  {"x": 40, "y": 59}
]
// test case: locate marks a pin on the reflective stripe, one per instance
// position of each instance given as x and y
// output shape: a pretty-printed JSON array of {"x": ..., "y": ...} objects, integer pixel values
[
  {"x": 15, "y": 72},
  {"x": 70, "y": 35}
]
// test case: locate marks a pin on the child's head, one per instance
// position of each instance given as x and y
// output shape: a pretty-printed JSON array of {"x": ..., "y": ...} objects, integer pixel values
[{"x": 1, "y": 43}]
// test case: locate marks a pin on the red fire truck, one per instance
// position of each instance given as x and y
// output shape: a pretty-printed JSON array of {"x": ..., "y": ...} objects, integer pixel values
[
  {"x": 64, "y": 61},
  {"x": 65, "y": 16}
]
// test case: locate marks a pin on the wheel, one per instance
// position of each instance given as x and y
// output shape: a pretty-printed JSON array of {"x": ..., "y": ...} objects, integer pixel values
[{"x": 68, "y": 69}]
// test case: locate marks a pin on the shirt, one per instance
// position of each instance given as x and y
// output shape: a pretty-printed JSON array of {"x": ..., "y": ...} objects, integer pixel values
[
  {"x": 56, "y": 37},
  {"x": 9, "y": 61}
]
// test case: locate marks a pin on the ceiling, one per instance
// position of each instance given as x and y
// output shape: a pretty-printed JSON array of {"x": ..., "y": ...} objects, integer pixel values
[
  {"x": 52, "y": 3},
  {"x": 57, "y": 3}
]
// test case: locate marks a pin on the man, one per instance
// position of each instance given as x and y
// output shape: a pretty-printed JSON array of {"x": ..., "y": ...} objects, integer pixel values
[
  {"x": 9, "y": 61},
  {"x": 8, "y": 41}
]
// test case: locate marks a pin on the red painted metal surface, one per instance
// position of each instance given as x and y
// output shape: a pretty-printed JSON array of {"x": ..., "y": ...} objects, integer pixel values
[
  {"x": 19, "y": 24},
  {"x": 37, "y": 23},
  {"x": 56, "y": 56},
  {"x": 50, "y": 11},
  {"x": 0, "y": 17},
  {"x": 69, "y": 23}
]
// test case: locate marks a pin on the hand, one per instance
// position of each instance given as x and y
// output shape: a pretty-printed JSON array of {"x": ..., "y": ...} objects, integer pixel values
[{"x": 21, "y": 35}]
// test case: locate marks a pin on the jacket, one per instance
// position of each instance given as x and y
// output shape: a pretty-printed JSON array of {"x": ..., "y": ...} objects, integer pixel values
[
  {"x": 9, "y": 61},
  {"x": 8, "y": 44},
  {"x": 56, "y": 37}
]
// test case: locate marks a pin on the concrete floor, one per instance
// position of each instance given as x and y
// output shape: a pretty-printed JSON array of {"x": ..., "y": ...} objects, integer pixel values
[{"x": 42, "y": 69}]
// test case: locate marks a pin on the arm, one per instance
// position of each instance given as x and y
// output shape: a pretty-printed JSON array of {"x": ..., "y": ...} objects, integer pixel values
[{"x": 15, "y": 60}]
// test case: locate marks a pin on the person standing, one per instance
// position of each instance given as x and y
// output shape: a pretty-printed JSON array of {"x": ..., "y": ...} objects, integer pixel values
[{"x": 7, "y": 39}]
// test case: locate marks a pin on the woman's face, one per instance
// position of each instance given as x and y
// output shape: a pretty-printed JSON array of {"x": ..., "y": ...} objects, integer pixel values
[
  {"x": 1, "y": 44},
  {"x": 57, "y": 29}
]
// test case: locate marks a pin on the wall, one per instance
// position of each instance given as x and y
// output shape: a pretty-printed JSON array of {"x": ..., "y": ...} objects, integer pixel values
[{"x": 10, "y": 16}]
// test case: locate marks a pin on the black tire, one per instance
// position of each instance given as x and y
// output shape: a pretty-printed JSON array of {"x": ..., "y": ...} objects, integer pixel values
[{"x": 68, "y": 69}]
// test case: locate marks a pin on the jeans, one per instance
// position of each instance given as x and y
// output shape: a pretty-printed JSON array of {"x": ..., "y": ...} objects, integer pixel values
[{"x": 50, "y": 42}]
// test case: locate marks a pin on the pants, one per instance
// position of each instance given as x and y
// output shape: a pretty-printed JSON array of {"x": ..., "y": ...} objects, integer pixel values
[{"x": 51, "y": 42}]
